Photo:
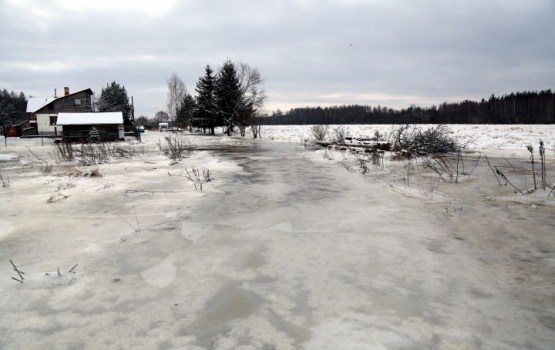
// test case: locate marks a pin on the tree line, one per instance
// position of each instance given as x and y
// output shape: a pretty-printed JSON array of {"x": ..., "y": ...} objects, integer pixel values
[
  {"x": 527, "y": 107},
  {"x": 232, "y": 97},
  {"x": 12, "y": 107}
]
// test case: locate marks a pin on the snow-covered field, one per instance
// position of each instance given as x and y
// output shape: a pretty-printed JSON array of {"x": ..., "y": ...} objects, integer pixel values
[
  {"x": 483, "y": 137},
  {"x": 283, "y": 248}
]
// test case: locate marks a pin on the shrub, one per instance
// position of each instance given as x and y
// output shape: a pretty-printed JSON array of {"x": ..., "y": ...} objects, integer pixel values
[
  {"x": 319, "y": 132},
  {"x": 63, "y": 151},
  {"x": 198, "y": 177},
  {"x": 339, "y": 135},
  {"x": 178, "y": 147},
  {"x": 408, "y": 140}
]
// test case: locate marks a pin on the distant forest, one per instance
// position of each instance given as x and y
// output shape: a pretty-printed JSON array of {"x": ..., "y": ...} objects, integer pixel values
[
  {"x": 528, "y": 107},
  {"x": 12, "y": 107}
]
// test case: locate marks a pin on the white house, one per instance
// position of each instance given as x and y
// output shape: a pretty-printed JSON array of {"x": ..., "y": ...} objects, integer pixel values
[{"x": 43, "y": 112}]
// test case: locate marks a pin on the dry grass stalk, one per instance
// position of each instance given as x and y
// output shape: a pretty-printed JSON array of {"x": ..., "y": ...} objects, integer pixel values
[
  {"x": 504, "y": 177},
  {"x": 19, "y": 272},
  {"x": 136, "y": 229},
  {"x": 493, "y": 171},
  {"x": 5, "y": 183},
  {"x": 542, "y": 162},
  {"x": 531, "y": 150}
]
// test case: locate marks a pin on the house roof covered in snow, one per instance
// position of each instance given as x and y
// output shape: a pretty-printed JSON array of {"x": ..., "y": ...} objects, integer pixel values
[
  {"x": 36, "y": 103},
  {"x": 90, "y": 118}
]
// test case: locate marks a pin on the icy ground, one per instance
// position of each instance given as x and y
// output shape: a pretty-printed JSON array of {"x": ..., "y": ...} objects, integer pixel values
[{"x": 283, "y": 249}]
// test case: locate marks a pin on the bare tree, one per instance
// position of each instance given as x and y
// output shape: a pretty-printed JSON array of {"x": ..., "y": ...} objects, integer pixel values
[
  {"x": 176, "y": 94},
  {"x": 253, "y": 95},
  {"x": 161, "y": 117}
]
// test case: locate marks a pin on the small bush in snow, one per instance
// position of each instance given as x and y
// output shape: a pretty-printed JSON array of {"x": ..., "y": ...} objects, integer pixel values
[
  {"x": 198, "y": 177},
  {"x": 91, "y": 153},
  {"x": 339, "y": 135},
  {"x": 378, "y": 137},
  {"x": 319, "y": 132},
  {"x": 409, "y": 140},
  {"x": 178, "y": 147},
  {"x": 63, "y": 151}
]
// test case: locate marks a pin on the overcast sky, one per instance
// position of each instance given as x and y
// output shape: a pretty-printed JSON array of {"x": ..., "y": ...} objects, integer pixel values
[{"x": 311, "y": 52}]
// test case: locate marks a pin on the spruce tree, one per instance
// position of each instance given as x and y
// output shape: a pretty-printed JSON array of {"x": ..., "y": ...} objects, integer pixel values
[
  {"x": 113, "y": 98},
  {"x": 12, "y": 107},
  {"x": 228, "y": 96},
  {"x": 205, "y": 116},
  {"x": 186, "y": 110}
]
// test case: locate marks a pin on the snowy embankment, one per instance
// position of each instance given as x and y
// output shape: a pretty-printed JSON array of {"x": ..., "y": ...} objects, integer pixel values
[
  {"x": 497, "y": 142},
  {"x": 481, "y": 137}
]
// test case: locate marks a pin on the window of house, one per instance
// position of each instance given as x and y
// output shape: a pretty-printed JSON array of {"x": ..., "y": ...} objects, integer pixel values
[
  {"x": 53, "y": 119},
  {"x": 77, "y": 102}
]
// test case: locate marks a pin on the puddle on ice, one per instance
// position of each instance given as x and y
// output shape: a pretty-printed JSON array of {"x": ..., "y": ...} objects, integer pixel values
[
  {"x": 248, "y": 260},
  {"x": 285, "y": 227},
  {"x": 228, "y": 304},
  {"x": 161, "y": 275}
]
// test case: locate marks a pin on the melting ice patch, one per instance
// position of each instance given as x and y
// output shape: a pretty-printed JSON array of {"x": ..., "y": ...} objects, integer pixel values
[
  {"x": 5, "y": 227},
  {"x": 285, "y": 227},
  {"x": 161, "y": 275},
  {"x": 92, "y": 248},
  {"x": 8, "y": 157},
  {"x": 194, "y": 231},
  {"x": 48, "y": 279},
  {"x": 430, "y": 195},
  {"x": 354, "y": 334},
  {"x": 137, "y": 193}
]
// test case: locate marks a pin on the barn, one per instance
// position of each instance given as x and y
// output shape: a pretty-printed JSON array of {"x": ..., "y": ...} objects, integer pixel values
[{"x": 91, "y": 127}]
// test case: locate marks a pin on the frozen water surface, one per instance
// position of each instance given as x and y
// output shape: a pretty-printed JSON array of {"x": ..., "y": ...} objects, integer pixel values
[{"x": 283, "y": 250}]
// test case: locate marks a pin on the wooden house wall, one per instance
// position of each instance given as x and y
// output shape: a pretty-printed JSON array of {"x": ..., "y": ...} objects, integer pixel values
[
  {"x": 66, "y": 104},
  {"x": 81, "y": 133}
]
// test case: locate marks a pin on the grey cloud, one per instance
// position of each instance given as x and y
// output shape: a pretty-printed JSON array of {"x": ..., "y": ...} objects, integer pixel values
[{"x": 431, "y": 50}]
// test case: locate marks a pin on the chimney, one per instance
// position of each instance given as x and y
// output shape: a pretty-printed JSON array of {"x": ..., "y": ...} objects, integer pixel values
[
  {"x": 55, "y": 96},
  {"x": 66, "y": 91}
]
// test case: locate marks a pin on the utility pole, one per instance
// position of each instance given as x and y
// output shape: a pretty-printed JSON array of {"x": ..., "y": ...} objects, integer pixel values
[{"x": 132, "y": 110}]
